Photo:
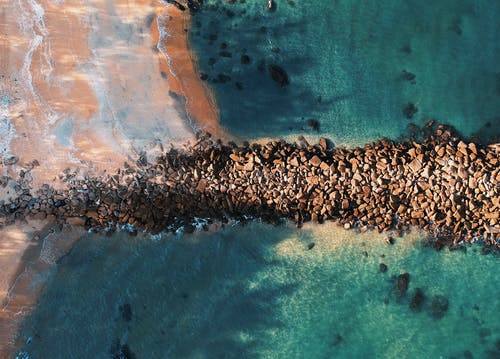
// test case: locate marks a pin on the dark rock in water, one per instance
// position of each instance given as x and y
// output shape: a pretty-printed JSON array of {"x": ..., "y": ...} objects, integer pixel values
[
  {"x": 212, "y": 61},
  {"x": 439, "y": 306},
  {"x": 278, "y": 74},
  {"x": 408, "y": 76},
  {"x": 261, "y": 66},
  {"x": 203, "y": 76},
  {"x": 245, "y": 59},
  {"x": 365, "y": 253},
  {"x": 223, "y": 46},
  {"x": 291, "y": 3},
  {"x": 410, "y": 110},
  {"x": 468, "y": 354},
  {"x": 403, "y": 282},
  {"x": 194, "y": 5},
  {"x": 313, "y": 123},
  {"x": 271, "y": 5},
  {"x": 229, "y": 13},
  {"x": 263, "y": 29},
  {"x": 311, "y": 245},
  {"x": 484, "y": 332},
  {"x": 337, "y": 340},
  {"x": 417, "y": 300},
  {"x": 126, "y": 312},
  {"x": 223, "y": 78},
  {"x": 239, "y": 85},
  {"x": 164, "y": 74},
  {"x": 189, "y": 228},
  {"x": 121, "y": 351},
  {"x": 406, "y": 49},
  {"x": 382, "y": 267},
  {"x": 60, "y": 203},
  {"x": 225, "y": 54}
]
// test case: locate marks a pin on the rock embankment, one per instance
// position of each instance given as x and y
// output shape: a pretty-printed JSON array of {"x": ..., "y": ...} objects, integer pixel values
[{"x": 442, "y": 184}]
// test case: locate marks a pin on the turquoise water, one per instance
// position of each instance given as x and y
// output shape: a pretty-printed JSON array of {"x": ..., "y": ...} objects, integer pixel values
[
  {"x": 258, "y": 292},
  {"x": 345, "y": 60}
]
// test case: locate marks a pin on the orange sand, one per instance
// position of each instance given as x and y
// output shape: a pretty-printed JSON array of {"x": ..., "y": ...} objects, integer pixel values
[
  {"x": 56, "y": 79},
  {"x": 201, "y": 102}
]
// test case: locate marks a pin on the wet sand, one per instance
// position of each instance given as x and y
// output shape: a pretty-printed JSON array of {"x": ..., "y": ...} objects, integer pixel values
[{"x": 179, "y": 64}]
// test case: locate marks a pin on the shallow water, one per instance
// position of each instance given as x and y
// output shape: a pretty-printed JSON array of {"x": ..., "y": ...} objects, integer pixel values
[
  {"x": 257, "y": 291},
  {"x": 345, "y": 60}
]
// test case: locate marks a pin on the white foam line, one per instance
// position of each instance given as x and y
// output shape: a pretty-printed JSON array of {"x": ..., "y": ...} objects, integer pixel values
[{"x": 39, "y": 22}]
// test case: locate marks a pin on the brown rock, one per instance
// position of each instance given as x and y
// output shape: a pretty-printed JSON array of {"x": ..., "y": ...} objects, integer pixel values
[{"x": 315, "y": 161}]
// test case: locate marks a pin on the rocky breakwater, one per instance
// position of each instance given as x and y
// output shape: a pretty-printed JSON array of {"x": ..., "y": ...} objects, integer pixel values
[{"x": 441, "y": 184}]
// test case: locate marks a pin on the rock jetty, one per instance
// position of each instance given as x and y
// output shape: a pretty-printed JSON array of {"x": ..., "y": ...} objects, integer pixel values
[{"x": 441, "y": 184}]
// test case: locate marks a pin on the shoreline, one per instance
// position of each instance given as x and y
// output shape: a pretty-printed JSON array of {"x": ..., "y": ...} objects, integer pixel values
[{"x": 178, "y": 62}]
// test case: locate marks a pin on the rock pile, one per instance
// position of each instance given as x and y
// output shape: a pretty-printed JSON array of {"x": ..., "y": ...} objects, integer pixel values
[{"x": 442, "y": 184}]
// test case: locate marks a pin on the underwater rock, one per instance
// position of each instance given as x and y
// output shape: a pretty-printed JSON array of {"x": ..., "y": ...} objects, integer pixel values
[
  {"x": 271, "y": 5},
  {"x": 313, "y": 123},
  {"x": 126, "y": 312},
  {"x": 311, "y": 245},
  {"x": 408, "y": 76},
  {"x": 121, "y": 351},
  {"x": 403, "y": 282},
  {"x": 439, "y": 306},
  {"x": 278, "y": 74},
  {"x": 417, "y": 300},
  {"x": 245, "y": 59},
  {"x": 410, "y": 110},
  {"x": 382, "y": 267}
]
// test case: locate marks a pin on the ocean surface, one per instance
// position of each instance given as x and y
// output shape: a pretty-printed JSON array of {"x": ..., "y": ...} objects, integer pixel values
[
  {"x": 345, "y": 61},
  {"x": 258, "y": 291}
]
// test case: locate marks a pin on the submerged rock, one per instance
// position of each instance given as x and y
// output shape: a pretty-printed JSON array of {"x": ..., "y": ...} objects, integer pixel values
[
  {"x": 439, "y": 306},
  {"x": 382, "y": 267},
  {"x": 417, "y": 300},
  {"x": 278, "y": 74},
  {"x": 271, "y": 5},
  {"x": 403, "y": 282},
  {"x": 410, "y": 110},
  {"x": 126, "y": 312}
]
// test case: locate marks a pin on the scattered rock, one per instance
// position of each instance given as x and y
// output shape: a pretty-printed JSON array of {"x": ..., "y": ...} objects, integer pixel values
[
  {"x": 439, "y": 306},
  {"x": 126, "y": 312},
  {"x": 417, "y": 300},
  {"x": 410, "y": 110},
  {"x": 382, "y": 267},
  {"x": 403, "y": 282},
  {"x": 278, "y": 74},
  {"x": 311, "y": 245},
  {"x": 245, "y": 59},
  {"x": 313, "y": 123},
  {"x": 271, "y": 5}
]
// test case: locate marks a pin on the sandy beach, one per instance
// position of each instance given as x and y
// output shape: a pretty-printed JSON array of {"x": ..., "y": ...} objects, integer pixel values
[{"x": 86, "y": 84}]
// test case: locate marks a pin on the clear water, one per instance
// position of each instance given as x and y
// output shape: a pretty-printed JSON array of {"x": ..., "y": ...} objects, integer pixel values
[
  {"x": 257, "y": 291},
  {"x": 345, "y": 60}
]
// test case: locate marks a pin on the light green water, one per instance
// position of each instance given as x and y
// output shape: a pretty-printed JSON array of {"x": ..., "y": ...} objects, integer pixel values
[{"x": 257, "y": 291}]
